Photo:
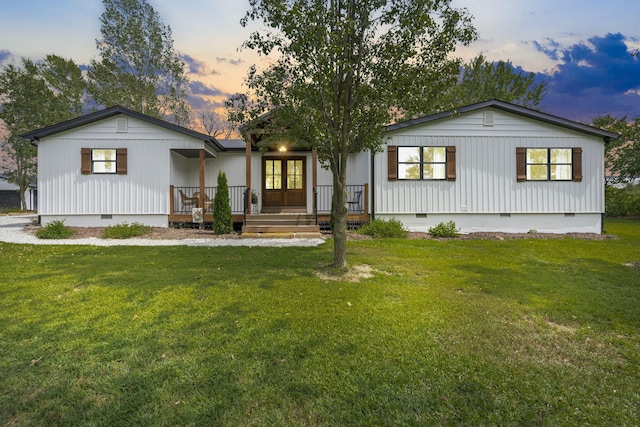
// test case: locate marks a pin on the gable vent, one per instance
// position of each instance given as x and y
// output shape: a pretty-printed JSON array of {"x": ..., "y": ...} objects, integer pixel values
[
  {"x": 122, "y": 126},
  {"x": 487, "y": 118}
]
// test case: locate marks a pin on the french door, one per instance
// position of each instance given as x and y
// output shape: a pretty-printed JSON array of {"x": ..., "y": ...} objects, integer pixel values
[{"x": 283, "y": 183}]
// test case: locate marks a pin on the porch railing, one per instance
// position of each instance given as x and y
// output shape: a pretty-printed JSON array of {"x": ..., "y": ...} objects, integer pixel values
[
  {"x": 185, "y": 198},
  {"x": 356, "y": 198}
]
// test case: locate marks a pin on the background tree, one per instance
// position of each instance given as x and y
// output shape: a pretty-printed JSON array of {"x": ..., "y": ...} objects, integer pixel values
[
  {"x": 139, "y": 68},
  {"x": 222, "y": 217},
  {"x": 481, "y": 80},
  {"x": 213, "y": 124},
  {"x": 34, "y": 96},
  {"x": 622, "y": 155},
  {"x": 347, "y": 67}
]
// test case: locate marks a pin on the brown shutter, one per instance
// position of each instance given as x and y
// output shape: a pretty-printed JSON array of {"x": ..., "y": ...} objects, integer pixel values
[
  {"x": 577, "y": 163},
  {"x": 393, "y": 162},
  {"x": 85, "y": 165},
  {"x": 121, "y": 161},
  {"x": 521, "y": 164},
  {"x": 451, "y": 163}
]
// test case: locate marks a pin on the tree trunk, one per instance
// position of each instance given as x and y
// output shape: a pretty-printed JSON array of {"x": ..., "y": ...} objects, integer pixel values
[{"x": 339, "y": 218}]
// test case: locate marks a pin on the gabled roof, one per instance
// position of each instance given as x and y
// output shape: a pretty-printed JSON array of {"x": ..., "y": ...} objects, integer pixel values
[
  {"x": 114, "y": 111},
  {"x": 510, "y": 108}
]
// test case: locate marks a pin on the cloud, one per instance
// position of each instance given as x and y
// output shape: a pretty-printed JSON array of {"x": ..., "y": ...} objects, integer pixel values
[
  {"x": 196, "y": 66},
  {"x": 230, "y": 60},
  {"x": 594, "y": 77},
  {"x": 5, "y": 55},
  {"x": 199, "y": 103},
  {"x": 549, "y": 47},
  {"x": 200, "y": 88},
  {"x": 603, "y": 62}
]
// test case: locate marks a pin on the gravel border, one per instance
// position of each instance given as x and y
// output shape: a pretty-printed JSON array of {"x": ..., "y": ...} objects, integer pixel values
[{"x": 12, "y": 231}]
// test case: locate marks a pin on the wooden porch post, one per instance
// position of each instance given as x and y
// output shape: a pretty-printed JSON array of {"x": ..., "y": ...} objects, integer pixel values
[
  {"x": 314, "y": 168},
  {"x": 201, "y": 193},
  {"x": 248, "y": 167},
  {"x": 366, "y": 198},
  {"x": 171, "y": 201}
]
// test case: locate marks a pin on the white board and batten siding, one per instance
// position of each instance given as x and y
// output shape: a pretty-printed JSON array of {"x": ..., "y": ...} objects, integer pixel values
[
  {"x": 142, "y": 195},
  {"x": 485, "y": 195}
]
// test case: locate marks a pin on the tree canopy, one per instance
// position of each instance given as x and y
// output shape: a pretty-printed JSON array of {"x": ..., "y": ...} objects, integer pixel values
[
  {"x": 33, "y": 96},
  {"x": 344, "y": 68},
  {"x": 139, "y": 68},
  {"x": 622, "y": 156},
  {"x": 481, "y": 80}
]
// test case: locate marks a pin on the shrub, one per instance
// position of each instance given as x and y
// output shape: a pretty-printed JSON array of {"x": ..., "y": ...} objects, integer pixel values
[
  {"x": 444, "y": 230},
  {"x": 623, "y": 201},
  {"x": 54, "y": 230},
  {"x": 222, "y": 218},
  {"x": 384, "y": 228},
  {"x": 125, "y": 231}
]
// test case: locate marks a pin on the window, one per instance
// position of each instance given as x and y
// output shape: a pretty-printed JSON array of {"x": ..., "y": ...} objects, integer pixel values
[
  {"x": 422, "y": 162},
  {"x": 294, "y": 174},
  {"x": 104, "y": 161},
  {"x": 273, "y": 174},
  {"x": 549, "y": 164}
]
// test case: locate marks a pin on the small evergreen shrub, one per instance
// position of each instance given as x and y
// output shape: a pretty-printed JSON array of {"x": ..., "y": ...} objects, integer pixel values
[
  {"x": 623, "y": 201},
  {"x": 444, "y": 230},
  {"x": 54, "y": 230},
  {"x": 222, "y": 217},
  {"x": 125, "y": 231},
  {"x": 379, "y": 228}
]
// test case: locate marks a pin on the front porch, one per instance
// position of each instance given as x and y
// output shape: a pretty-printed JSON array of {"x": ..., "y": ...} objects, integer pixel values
[{"x": 183, "y": 199}]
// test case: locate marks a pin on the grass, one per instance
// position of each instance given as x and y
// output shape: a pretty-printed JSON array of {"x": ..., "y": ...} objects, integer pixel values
[{"x": 513, "y": 332}]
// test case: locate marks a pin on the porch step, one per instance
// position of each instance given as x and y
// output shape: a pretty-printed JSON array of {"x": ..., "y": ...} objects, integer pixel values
[{"x": 280, "y": 225}]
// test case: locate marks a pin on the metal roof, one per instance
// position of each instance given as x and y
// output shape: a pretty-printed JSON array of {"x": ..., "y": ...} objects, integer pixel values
[
  {"x": 511, "y": 108},
  {"x": 37, "y": 134}
]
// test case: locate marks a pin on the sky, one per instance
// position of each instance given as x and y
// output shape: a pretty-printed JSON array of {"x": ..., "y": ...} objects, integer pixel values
[{"x": 582, "y": 48}]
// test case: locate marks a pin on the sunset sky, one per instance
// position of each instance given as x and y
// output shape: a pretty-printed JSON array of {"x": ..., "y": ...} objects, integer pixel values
[{"x": 581, "y": 47}]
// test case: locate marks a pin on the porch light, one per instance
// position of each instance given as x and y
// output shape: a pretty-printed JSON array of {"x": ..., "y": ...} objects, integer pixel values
[{"x": 282, "y": 149}]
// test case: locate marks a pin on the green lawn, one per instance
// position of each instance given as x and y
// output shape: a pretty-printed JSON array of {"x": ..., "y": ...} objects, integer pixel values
[{"x": 514, "y": 332}]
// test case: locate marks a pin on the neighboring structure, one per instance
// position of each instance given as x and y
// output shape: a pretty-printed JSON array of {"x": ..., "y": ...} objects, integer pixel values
[
  {"x": 10, "y": 196},
  {"x": 491, "y": 166}
]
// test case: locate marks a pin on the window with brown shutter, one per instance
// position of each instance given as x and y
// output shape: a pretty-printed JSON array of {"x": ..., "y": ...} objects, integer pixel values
[
  {"x": 121, "y": 161},
  {"x": 392, "y": 152},
  {"x": 577, "y": 163},
  {"x": 521, "y": 164},
  {"x": 549, "y": 164},
  {"x": 451, "y": 163},
  {"x": 103, "y": 161},
  {"x": 85, "y": 155},
  {"x": 422, "y": 163}
]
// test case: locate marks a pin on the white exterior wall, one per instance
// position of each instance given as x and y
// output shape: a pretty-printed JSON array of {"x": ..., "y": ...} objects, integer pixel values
[
  {"x": 486, "y": 185},
  {"x": 141, "y": 195},
  {"x": 358, "y": 170}
]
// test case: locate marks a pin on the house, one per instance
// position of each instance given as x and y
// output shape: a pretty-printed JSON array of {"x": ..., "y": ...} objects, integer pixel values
[
  {"x": 10, "y": 195},
  {"x": 491, "y": 166}
]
